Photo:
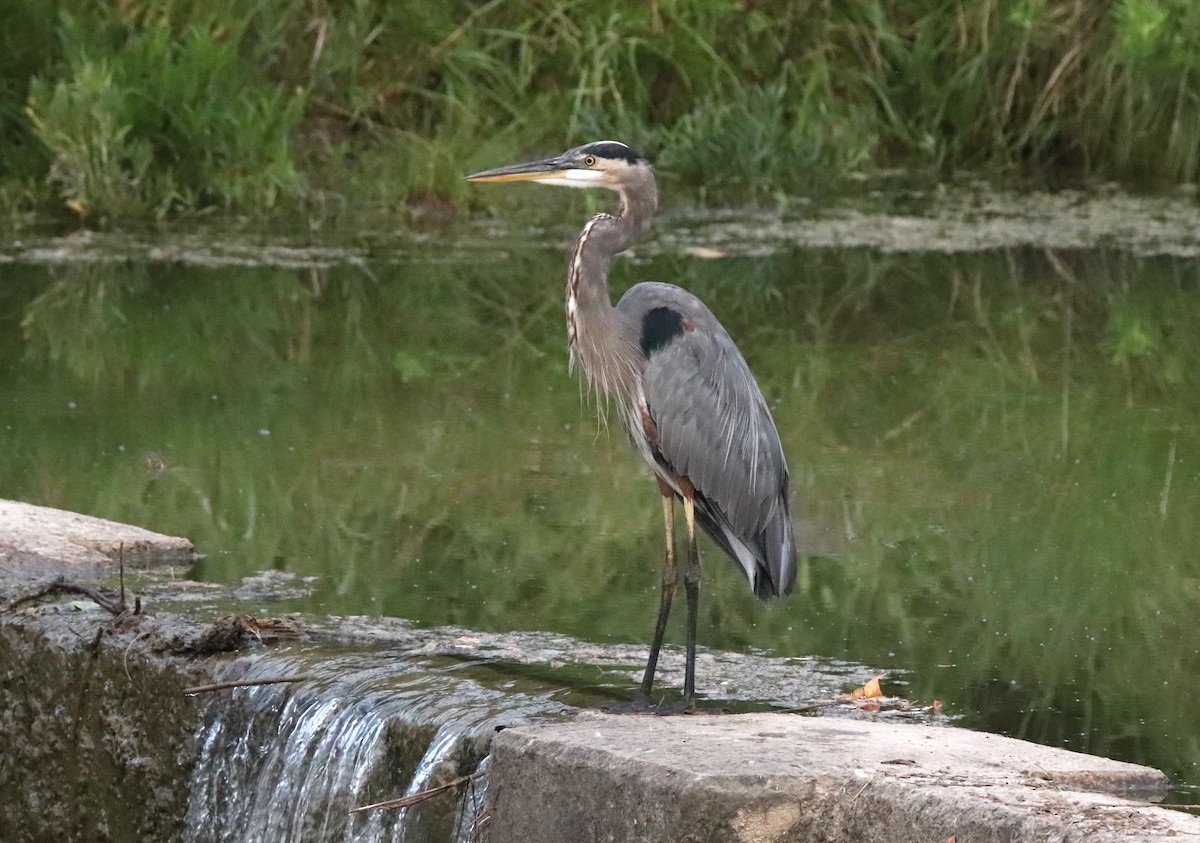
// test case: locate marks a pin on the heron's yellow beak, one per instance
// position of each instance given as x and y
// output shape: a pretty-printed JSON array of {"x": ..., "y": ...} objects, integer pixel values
[
  {"x": 547, "y": 169},
  {"x": 567, "y": 170}
]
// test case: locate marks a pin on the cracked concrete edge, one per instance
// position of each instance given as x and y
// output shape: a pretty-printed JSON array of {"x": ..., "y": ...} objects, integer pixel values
[
  {"x": 98, "y": 737},
  {"x": 778, "y": 778},
  {"x": 39, "y": 540}
]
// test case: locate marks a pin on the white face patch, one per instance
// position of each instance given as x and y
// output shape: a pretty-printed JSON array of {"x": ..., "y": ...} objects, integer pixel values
[{"x": 575, "y": 178}]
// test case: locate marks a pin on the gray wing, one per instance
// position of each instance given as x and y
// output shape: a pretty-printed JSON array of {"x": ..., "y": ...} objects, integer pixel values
[{"x": 714, "y": 429}]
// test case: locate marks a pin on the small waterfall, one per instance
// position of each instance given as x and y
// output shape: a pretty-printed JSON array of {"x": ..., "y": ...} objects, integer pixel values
[
  {"x": 466, "y": 829},
  {"x": 441, "y": 751},
  {"x": 287, "y": 763},
  {"x": 290, "y": 766}
]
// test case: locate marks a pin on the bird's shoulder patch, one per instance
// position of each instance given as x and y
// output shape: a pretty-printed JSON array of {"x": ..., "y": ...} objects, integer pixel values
[{"x": 660, "y": 325}]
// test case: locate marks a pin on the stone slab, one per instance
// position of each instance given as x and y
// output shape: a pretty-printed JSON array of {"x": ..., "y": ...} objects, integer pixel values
[
  {"x": 780, "y": 778},
  {"x": 37, "y": 540}
]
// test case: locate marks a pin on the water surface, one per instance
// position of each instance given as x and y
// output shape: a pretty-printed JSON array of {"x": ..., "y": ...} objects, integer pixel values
[{"x": 995, "y": 452}]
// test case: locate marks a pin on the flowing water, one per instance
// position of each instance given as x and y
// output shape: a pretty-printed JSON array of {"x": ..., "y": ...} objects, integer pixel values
[
  {"x": 286, "y": 763},
  {"x": 991, "y": 420}
]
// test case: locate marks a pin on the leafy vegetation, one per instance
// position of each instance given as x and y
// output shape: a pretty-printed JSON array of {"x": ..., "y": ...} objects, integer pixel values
[{"x": 146, "y": 108}]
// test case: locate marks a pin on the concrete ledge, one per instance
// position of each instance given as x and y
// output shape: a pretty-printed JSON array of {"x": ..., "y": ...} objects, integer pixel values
[
  {"x": 778, "y": 778},
  {"x": 96, "y": 736},
  {"x": 38, "y": 540}
]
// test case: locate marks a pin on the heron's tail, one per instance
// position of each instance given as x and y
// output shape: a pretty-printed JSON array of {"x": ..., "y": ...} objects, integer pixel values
[
  {"x": 778, "y": 545},
  {"x": 768, "y": 559}
]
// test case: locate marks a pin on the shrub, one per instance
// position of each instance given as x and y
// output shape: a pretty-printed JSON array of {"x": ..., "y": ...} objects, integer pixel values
[{"x": 166, "y": 122}]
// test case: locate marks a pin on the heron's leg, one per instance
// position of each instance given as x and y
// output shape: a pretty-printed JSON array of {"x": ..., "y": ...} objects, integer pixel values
[
  {"x": 691, "y": 586},
  {"x": 670, "y": 577}
]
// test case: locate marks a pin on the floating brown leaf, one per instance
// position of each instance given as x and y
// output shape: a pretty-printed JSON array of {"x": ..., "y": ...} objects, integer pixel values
[{"x": 868, "y": 691}]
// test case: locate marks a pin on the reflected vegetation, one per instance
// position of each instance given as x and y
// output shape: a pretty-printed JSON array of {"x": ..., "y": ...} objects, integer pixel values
[{"x": 996, "y": 457}]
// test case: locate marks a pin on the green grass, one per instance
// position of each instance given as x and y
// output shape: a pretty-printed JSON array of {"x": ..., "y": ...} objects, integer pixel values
[{"x": 152, "y": 108}]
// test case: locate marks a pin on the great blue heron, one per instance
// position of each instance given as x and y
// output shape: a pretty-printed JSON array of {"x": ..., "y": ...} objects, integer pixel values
[{"x": 686, "y": 397}]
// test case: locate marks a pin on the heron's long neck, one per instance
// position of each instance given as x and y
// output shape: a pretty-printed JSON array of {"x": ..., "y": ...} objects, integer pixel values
[{"x": 600, "y": 343}]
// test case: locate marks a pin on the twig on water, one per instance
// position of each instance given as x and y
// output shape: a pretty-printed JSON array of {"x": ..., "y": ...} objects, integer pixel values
[
  {"x": 415, "y": 798},
  {"x": 121, "y": 572},
  {"x": 243, "y": 683},
  {"x": 805, "y": 709},
  {"x": 112, "y": 603},
  {"x": 104, "y": 599}
]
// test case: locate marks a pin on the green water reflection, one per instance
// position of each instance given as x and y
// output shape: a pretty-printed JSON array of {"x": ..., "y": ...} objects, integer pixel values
[{"x": 997, "y": 454}]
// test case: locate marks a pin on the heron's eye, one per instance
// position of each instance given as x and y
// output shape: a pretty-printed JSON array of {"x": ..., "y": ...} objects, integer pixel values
[{"x": 590, "y": 160}]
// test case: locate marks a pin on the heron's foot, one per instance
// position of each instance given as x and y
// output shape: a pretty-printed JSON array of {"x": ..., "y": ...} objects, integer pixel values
[
  {"x": 681, "y": 707},
  {"x": 638, "y": 705},
  {"x": 642, "y": 705}
]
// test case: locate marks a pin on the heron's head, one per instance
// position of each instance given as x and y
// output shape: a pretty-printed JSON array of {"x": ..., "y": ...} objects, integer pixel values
[{"x": 609, "y": 164}]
